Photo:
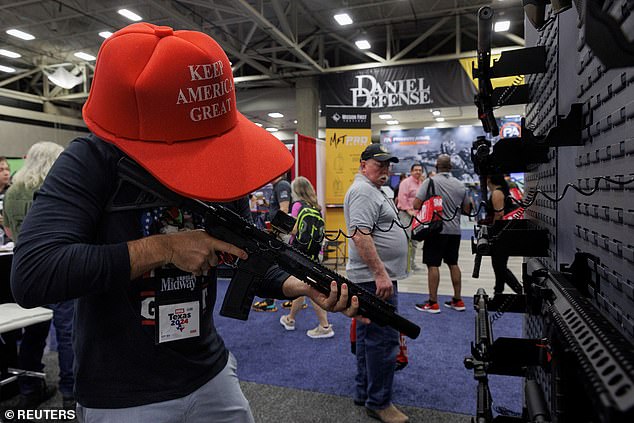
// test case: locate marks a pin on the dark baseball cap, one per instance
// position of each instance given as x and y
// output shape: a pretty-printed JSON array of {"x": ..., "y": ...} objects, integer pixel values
[{"x": 378, "y": 153}]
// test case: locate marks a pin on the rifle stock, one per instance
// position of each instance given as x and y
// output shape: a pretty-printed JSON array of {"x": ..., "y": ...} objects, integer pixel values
[{"x": 264, "y": 250}]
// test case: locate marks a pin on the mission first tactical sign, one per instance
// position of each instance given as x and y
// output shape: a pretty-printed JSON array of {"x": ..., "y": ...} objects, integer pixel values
[{"x": 348, "y": 117}]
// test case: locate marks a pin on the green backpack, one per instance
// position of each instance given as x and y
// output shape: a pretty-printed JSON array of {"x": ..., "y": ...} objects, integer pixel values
[{"x": 310, "y": 231}]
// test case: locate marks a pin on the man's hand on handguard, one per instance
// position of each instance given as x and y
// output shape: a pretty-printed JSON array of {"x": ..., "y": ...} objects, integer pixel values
[{"x": 294, "y": 287}]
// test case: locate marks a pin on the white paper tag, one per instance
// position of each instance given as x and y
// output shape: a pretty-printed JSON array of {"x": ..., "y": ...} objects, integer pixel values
[{"x": 178, "y": 321}]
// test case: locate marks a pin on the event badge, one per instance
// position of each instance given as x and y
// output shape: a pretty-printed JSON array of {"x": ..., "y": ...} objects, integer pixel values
[{"x": 178, "y": 321}]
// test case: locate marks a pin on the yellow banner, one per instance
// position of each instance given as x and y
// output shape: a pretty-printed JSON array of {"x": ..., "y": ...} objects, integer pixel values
[{"x": 343, "y": 149}]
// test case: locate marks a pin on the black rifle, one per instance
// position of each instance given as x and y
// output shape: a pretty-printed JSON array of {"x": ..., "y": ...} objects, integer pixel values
[
  {"x": 504, "y": 356},
  {"x": 263, "y": 248},
  {"x": 483, "y": 99},
  {"x": 479, "y": 360}
]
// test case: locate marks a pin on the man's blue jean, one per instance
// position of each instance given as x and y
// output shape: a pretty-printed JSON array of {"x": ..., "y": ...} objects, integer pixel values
[
  {"x": 32, "y": 349},
  {"x": 377, "y": 347}
]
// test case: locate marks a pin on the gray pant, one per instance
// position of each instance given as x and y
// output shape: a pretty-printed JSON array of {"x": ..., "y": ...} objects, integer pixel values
[
  {"x": 220, "y": 401},
  {"x": 406, "y": 219}
]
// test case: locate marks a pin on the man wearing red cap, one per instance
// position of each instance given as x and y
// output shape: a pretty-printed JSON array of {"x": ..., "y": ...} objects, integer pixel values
[{"x": 145, "y": 345}]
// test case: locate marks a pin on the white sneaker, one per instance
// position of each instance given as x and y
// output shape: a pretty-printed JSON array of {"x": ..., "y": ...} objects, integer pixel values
[
  {"x": 287, "y": 323},
  {"x": 321, "y": 332}
]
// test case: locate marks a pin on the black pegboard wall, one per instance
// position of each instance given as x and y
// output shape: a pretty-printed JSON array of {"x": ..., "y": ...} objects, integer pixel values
[
  {"x": 603, "y": 223},
  {"x": 541, "y": 116}
]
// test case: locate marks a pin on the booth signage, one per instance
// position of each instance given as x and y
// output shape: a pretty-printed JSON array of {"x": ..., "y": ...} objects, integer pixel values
[
  {"x": 443, "y": 84},
  {"x": 348, "y": 136}
]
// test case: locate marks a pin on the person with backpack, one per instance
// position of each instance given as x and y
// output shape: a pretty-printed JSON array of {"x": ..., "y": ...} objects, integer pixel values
[{"x": 308, "y": 236}]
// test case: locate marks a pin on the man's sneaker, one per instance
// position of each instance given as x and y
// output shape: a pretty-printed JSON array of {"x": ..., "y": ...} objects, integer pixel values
[
  {"x": 428, "y": 307},
  {"x": 457, "y": 305},
  {"x": 321, "y": 332},
  {"x": 287, "y": 323},
  {"x": 264, "y": 306},
  {"x": 289, "y": 304}
]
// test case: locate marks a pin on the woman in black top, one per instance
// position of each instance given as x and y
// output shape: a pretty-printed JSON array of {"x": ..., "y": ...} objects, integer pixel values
[{"x": 500, "y": 204}]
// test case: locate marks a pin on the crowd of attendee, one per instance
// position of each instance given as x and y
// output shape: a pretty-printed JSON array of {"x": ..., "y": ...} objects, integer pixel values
[{"x": 139, "y": 283}]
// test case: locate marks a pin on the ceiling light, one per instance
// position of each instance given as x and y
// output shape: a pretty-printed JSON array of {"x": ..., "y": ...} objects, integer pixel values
[
  {"x": 105, "y": 34},
  {"x": 343, "y": 19},
  {"x": 85, "y": 56},
  {"x": 466, "y": 126},
  {"x": 130, "y": 15},
  {"x": 258, "y": 124},
  {"x": 276, "y": 115},
  {"x": 20, "y": 34},
  {"x": 385, "y": 116},
  {"x": 295, "y": 121},
  {"x": 429, "y": 127},
  {"x": 363, "y": 44},
  {"x": 6, "y": 69},
  {"x": 435, "y": 112},
  {"x": 272, "y": 129},
  {"x": 501, "y": 26},
  {"x": 392, "y": 122},
  {"x": 512, "y": 117},
  {"x": 9, "y": 53},
  {"x": 440, "y": 119}
]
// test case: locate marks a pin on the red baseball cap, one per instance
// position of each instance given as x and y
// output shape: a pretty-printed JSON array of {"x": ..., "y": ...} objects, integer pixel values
[{"x": 167, "y": 99}]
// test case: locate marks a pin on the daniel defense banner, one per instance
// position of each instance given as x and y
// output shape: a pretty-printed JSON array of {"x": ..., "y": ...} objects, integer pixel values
[
  {"x": 442, "y": 84},
  {"x": 343, "y": 149}
]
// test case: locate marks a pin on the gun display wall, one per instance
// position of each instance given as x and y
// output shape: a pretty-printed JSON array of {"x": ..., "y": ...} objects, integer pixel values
[{"x": 581, "y": 107}]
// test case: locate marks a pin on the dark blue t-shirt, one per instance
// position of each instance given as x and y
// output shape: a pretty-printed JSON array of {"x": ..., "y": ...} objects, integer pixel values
[{"x": 72, "y": 247}]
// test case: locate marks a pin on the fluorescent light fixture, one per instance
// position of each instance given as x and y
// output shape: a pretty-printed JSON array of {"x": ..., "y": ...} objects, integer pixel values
[
  {"x": 258, "y": 124},
  {"x": 429, "y": 127},
  {"x": 501, "y": 26},
  {"x": 276, "y": 115},
  {"x": 272, "y": 129},
  {"x": 435, "y": 112},
  {"x": 362, "y": 44},
  {"x": 440, "y": 119},
  {"x": 385, "y": 116},
  {"x": 85, "y": 56},
  {"x": 512, "y": 117},
  {"x": 105, "y": 34},
  {"x": 392, "y": 122},
  {"x": 130, "y": 15},
  {"x": 6, "y": 69},
  {"x": 10, "y": 54},
  {"x": 20, "y": 34},
  {"x": 343, "y": 19}
]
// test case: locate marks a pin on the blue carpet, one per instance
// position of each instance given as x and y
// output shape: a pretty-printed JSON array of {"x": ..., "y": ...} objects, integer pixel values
[{"x": 435, "y": 377}]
